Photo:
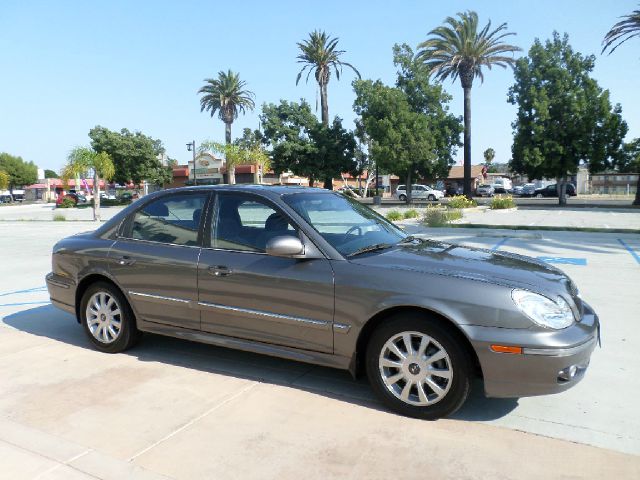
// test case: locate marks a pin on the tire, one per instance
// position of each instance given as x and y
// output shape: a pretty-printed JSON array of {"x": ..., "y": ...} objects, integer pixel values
[
  {"x": 539, "y": 195},
  {"x": 430, "y": 404},
  {"x": 432, "y": 198},
  {"x": 107, "y": 331},
  {"x": 402, "y": 197}
]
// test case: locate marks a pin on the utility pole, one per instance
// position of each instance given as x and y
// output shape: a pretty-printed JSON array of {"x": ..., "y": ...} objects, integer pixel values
[{"x": 191, "y": 147}]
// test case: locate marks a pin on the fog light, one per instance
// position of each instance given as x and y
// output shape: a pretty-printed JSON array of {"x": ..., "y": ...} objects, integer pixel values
[{"x": 567, "y": 373}]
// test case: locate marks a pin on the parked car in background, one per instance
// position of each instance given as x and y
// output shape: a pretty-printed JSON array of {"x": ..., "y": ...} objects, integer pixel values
[
  {"x": 315, "y": 276},
  {"x": 5, "y": 196},
  {"x": 517, "y": 190},
  {"x": 502, "y": 185},
  {"x": 485, "y": 190},
  {"x": 552, "y": 191},
  {"x": 419, "y": 192},
  {"x": 453, "y": 190},
  {"x": 528, "y": 189},
  {"x": 107, "y": 196}
]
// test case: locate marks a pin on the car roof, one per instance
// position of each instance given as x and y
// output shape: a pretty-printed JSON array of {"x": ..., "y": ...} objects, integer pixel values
[{"x": 267, "y": 190}]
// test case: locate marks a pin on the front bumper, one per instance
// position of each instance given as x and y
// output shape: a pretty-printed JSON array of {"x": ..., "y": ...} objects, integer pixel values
[
  {"x": 62, "y": 291},
  {"x": 551, "y": 362}
]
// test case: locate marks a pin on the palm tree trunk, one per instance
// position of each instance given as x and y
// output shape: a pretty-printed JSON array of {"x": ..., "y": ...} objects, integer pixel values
[
  {"x": 96, "y": 196},
  {"x": 637, "y": 200},
  {"x": 467, "y": 142},
  {"x": 328, "y": 181},
  {"x": 231, "y": 169},
  {"x": 408, "y": 186}
]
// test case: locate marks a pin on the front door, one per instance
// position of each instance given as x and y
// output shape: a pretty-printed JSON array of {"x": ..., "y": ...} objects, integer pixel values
[
  {"x": 155, "y": 260},
  {"x": 245, "y": 293}
]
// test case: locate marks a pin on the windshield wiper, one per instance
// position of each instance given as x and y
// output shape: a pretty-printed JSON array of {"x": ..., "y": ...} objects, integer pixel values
[{"x": 370, "y": 248}]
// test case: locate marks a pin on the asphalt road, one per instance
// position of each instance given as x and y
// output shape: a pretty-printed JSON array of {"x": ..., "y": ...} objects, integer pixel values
[{"x": 173, "y": 409}]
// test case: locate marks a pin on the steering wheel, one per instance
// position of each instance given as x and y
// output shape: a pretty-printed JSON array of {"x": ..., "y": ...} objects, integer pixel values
[{"x": 352, "y": 229}]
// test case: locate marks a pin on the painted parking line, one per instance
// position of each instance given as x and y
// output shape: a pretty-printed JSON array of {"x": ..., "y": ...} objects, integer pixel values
[
  {"x": 630, "y": 250},
  {"x": 499, "y": 244},
  {"x": 28, "y": 290},
  {"x": 564, "y": 260},
  {"x": 23, "y": 303}
]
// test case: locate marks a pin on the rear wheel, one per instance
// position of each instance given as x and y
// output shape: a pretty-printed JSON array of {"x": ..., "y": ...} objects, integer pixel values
[
  {"x": 108, "y": 319},
  {"x": 539, "y": 195},
  {"x": 432, "y": 198},
  {"x": 417, "y": 367},
  {"x": 402, "y": 197}
]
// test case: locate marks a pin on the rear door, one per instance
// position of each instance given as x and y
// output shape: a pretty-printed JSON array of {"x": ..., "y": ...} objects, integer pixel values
[
  {"x": 155, "y": 260},
  {"x": 245, "y": 293}
]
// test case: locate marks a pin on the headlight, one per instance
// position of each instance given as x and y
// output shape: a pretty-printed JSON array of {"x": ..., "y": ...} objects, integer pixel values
[{"x": 542, "y": 310}]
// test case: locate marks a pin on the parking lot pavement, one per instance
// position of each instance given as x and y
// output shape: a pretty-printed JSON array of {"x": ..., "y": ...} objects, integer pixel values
[
  {"x": 173, "y": 409},
  {"x": 46, "y": 212}
]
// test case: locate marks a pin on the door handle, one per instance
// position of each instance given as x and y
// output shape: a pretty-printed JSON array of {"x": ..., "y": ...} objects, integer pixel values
[
  {"x": 126, "y": 260},
  {"x": 220, "y": 270}
]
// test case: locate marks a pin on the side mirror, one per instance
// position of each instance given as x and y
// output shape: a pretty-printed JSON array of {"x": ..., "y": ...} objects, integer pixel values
[{"x": 285, "y": 246}]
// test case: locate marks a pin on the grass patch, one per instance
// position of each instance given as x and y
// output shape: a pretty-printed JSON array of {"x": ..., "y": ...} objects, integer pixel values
[
  {"x": 460, "y": 201},
  {"x": 440, "y": 216},
  {"x": 394, "y": 216},
  {"x": 502, "y": 203},
  {"x": 413, "y": 213},
  {"x": 58, "y": 217}
]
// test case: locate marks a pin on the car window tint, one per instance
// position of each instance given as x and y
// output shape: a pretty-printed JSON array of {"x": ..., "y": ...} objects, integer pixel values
[
  {"x": 247, "y": 223},
  {"x": 172, "y": 219}
]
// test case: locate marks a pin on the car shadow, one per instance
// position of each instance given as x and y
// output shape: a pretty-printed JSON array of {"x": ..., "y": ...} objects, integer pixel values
[{"x": 50, "y": 322}]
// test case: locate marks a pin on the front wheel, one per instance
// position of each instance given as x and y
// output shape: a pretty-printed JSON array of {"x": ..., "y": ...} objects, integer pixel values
[
  {"x": 432, "y": 198},
  {"x": 108, "y": 319},
  {"x": 539, "y": 195},
  {"x": 417, "y": 367},
  {"x": 402, "y": 197}
]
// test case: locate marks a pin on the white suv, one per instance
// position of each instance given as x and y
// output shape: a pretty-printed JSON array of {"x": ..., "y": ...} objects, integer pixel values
[{"x": 419, "y": 192}]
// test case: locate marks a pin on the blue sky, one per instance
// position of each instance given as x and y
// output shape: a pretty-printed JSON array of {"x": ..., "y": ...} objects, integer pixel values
[{"x": 67, "y": 66}]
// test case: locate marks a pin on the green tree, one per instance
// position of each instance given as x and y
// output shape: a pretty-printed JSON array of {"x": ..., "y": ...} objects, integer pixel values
[
  {"x": 622, "y": 31},
  {"x": 489, "y": 154},
  {"x": 564, "y": 117},
  {"x": 20, "y": 172},
  {"x": 304, "y": 146},
  {"x": 83, "y": 161},
  {"x": 134, "y": 155},
  {"x": 50, "y": 174},
  {"x": 4, "y": 180},
  {"x": 460, "y": 49},
  {"x": 227, "y": 96},
  {"x": 239, "y": 153},
  {"x": 410, "y": 128},
  {"x": 320, "y": 56}
]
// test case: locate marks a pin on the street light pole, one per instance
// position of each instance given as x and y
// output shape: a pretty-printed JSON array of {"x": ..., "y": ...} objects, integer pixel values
[{"x": 191, "y": 147}]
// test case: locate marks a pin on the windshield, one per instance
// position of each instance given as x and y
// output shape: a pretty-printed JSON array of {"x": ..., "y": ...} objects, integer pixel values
[{"x": 343, "y": 222}]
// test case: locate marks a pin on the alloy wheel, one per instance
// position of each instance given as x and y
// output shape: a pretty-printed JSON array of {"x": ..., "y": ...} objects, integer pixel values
[
  {"x": 104, "y": 317},
  {"x": 415, "y": 368}
]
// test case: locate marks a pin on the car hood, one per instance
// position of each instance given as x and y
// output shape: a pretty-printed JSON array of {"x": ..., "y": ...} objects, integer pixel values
[{"x": 503, "y": 268}]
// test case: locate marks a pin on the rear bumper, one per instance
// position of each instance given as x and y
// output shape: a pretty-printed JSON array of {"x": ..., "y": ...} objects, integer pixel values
[
  {"x": 551, "y": 362},
  {"x": 62, "y": 291}
]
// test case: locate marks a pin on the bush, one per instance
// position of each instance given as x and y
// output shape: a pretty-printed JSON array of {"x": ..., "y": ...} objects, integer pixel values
[
  {"x": 394, "y": 215},
  {"x": 67, "y": 203},
  {"x": 460, "y": 201},
  {"x": 413, "y": 213},
  {"x": 500, "y": 202},
  {"x": 58, "y": 217},
  {"x": 438, "y": 216}
]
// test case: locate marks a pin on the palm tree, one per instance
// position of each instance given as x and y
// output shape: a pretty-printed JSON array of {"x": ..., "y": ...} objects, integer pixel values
[
  {"x": 460, "y": 49},
  {"x": 227, "y": 96},
  {"x": 320, "y": 56},
  {"x": 83, "y": 160},
  {"x": 622, "y": 31},
  {"x": 489, "y": 155}
]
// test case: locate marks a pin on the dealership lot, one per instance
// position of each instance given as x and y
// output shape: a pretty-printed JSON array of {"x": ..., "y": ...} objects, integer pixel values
[{"x": 186, "y": 410}]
